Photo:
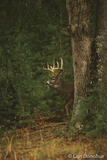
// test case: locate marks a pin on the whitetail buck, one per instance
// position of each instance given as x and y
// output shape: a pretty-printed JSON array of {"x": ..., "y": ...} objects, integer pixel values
[{"x": 57, "y": 82}]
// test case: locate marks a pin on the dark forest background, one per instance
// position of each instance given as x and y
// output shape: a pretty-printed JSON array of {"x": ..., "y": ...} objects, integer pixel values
[{"x": 32, "y": 34}]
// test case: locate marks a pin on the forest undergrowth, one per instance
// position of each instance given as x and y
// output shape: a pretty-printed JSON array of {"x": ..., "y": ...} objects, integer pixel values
[{"x": 50, "y": 141}]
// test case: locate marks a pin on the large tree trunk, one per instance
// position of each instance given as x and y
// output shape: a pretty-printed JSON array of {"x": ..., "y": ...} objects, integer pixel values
[
  {"x": 102, "y": 38},
  {"x": 80, "y": 26}
]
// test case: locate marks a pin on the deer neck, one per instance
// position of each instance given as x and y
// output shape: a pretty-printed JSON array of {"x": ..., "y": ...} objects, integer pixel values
[{"x": 65, "y": 87}]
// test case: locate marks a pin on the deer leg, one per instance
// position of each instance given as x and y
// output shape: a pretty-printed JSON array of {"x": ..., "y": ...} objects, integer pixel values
[
  {"x": 66, "y": 108},
  {"x": 70, "y": 103}
]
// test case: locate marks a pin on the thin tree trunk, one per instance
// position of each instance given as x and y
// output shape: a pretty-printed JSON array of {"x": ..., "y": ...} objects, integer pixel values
[
  {"x": 80, "y": 26},
  {"x": 102, "y": 38}
]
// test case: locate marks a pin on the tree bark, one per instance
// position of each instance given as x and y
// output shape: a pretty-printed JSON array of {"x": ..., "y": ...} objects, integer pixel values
[
  {"x": 102, "y": 38},
  {"x": 80, "y": 26}
]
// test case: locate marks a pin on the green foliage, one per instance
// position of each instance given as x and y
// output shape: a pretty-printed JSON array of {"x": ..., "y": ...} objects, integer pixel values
[
  {"x": 93, "y": 113},
  {"x": 32, "y": 33}
]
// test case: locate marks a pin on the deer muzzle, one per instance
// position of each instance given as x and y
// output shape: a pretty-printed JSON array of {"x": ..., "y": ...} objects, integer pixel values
[
  {"x": 47, "y": 83},
  {"x": 52, "y": 84}
]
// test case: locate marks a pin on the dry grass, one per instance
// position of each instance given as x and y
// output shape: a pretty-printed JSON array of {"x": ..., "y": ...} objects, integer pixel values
[{"x": 40, "y": 144}]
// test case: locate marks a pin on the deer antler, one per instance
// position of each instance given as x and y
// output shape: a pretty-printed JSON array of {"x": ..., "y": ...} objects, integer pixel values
[
  {"x": 49, "y": 68},
  {"x": 53, "y": 68},
  {"x": 61, "y": 63}
]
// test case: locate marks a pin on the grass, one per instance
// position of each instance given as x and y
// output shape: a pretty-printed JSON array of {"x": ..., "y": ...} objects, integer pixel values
[{"x": 42, "y": 143}]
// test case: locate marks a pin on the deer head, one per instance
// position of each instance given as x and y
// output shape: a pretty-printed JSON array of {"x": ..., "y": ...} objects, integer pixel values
[{"x": 57, "y": 74}]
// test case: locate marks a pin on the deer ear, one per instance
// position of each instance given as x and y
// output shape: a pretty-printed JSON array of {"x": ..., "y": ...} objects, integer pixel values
[{"x": 61, "y": 72}]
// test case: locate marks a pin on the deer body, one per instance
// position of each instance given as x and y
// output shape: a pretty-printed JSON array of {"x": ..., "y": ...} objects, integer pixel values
[{"x": 66, "y": 89}]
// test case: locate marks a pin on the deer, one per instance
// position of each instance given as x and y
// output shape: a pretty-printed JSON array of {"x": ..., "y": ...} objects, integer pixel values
[{"x": 57, "y": 82}]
